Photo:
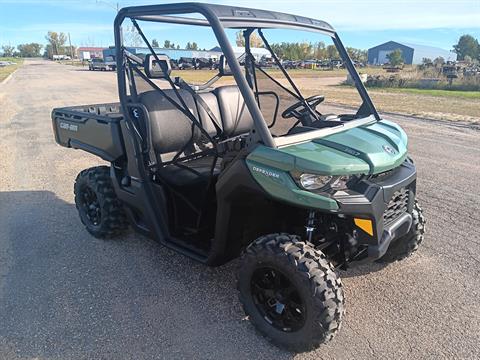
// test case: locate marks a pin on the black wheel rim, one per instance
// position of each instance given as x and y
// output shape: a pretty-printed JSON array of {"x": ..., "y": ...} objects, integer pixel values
[
  {"x": 277, "y": 299},
  {"x": 91, "y": 206}
]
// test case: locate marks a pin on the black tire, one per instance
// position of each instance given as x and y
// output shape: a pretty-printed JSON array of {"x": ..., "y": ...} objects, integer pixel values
[
  {"x": 408, "y": 244},
  {"x": 99, "y": 208},
  {"x": 312, "y": 283}
]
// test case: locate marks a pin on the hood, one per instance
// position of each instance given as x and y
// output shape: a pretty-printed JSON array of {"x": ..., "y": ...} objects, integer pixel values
[{"x": 368, "y": 149}]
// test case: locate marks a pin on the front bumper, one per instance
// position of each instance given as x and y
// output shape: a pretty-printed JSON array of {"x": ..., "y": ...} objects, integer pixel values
[{"x": 387, "y": 200}]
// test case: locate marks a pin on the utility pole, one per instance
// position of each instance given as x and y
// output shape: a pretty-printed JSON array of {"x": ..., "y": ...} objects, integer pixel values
[{"x": 71, "y": 49}]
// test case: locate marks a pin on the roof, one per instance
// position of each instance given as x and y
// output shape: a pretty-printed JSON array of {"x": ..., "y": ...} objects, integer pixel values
[
  {"x": 229, "y": 16},
  {"x": 253, "y": 50},
  {"x": 424, "y": 47},
  {"x": 388, "y": 43}
]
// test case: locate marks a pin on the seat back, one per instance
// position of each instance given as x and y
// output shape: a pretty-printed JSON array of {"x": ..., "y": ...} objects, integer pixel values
[
  {"x": 171, "y": 129},
  {"x": 207, "y": 123},
  {"x": 236, "y": 118}
]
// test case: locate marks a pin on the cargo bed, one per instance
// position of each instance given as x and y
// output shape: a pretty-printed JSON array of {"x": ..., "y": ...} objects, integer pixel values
[{"x": 93, "y": 128}]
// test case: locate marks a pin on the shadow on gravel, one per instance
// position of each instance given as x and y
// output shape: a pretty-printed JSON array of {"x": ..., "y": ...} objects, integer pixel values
[
  {"x": 363, "y": 269},
  {"x": 65, "y": 294}
]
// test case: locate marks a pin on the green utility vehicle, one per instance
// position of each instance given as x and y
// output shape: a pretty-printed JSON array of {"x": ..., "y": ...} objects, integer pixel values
[{"x": 247, "y": 165}]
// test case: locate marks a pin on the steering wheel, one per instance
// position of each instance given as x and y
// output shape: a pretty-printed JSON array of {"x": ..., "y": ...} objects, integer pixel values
[{"x": 298, "y": 109}]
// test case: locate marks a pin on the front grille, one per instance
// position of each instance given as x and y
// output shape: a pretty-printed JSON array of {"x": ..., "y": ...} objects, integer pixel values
[
  {"x": 382, "y": 175},
  {"x": 397, "y": 206}
]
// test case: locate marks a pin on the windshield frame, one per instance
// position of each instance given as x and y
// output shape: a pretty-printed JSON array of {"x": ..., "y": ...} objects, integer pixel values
[{"x": 243, "y": 20}]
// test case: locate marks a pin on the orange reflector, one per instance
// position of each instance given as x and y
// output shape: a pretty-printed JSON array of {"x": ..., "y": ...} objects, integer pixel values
[{"x": 365, "y": 224}]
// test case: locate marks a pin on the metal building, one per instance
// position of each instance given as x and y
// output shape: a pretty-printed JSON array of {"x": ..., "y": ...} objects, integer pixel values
[
  {"x": 86, "y": 53},
  {"x": 412, "y": 53}
]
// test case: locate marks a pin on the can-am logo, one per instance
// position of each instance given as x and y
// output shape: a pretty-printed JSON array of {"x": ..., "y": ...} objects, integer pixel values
[
  {"x": 389, "y": 150},
  {"x": 66, "y": 126},
  {"x": 266, "y": 172}
]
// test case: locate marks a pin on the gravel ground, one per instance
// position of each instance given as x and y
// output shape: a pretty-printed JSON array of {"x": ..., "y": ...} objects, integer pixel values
[{"x": 66, "y": 295}]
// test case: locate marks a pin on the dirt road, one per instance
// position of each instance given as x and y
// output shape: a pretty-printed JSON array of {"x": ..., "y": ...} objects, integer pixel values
[{"x": 66, "y": 295}]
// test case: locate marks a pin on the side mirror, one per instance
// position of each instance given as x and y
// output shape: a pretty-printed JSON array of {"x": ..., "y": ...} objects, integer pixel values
[
  {"x": 154, "y": 69},
  {"x": 223, "y": 68}
]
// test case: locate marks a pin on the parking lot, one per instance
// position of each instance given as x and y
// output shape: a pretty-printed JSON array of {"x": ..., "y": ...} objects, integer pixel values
[{"x": 66, "y": 295}]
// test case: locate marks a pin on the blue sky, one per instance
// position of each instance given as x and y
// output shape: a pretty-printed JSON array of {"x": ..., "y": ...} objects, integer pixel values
[{"x": 360, "y": 23}]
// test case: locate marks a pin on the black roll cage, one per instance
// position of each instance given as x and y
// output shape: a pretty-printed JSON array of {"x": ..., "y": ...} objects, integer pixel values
[
  {"x": 219, "y": 17},
  {"x": 135, "y": 184}
]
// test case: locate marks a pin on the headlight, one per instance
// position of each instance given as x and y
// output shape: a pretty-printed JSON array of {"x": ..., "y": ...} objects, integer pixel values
[
  {"x": 314, "y": 182},
  {"x": 322, "y": 182}
]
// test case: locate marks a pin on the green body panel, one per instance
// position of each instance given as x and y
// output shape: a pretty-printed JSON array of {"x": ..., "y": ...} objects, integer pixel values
[
  {"x": 369, "y": 149},
  {"x": 280, "y": 185}
]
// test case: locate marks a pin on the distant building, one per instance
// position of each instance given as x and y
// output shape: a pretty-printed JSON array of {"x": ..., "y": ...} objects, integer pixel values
[
  {"x": 86, "y": 53},
  {"x": 412, "y": 54},
  {"x": 176, "y": 54}
]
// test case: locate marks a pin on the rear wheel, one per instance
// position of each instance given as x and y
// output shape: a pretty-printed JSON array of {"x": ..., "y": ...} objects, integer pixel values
[
  {"x": 291, "y": 292},
  {"x": 99, "y": 208},
  {"x": 408, "y": 244}
]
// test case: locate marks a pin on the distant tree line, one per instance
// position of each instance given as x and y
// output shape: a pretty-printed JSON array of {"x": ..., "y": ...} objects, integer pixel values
[
  {"x": 301, "y": 50},
  {"x": 23, "y": 50},
  {"x": 305, "y": 51},
  {"x": 171, "y": 45},
  {"x": 467, "y": 47}
]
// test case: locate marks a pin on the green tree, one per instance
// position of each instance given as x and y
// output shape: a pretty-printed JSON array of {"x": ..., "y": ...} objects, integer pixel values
[
  {"x": 467, "y": 45},
  {"x": 71, "y": 51},
  {"x": 357, "y": 54},
  {"x": 155, "y": 43},
  {"x": 395, "y": 58},
  {"x": 167, "y": 44},
  {"x": 363, "y": 56},
  {"x": 293, "y": 51},
  {"x": 332, "y": 52},
  {"x": 319, "y": 50},
  {"x": 29, "y": 50},
  {"x": 8, "y": 50},
  {"x": 439, "y": 62},
  {"x": 57, "y": 42}
]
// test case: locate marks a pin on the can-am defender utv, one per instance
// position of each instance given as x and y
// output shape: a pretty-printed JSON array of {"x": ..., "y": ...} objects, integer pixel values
[{"x": 201, "y": 170}]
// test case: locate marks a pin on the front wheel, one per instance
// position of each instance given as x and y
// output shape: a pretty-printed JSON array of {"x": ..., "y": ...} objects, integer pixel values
[
  {"x": 290, "y": 292},
  {"x": 409, "y": 243},
  {"x": 99, "y": 208}
]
